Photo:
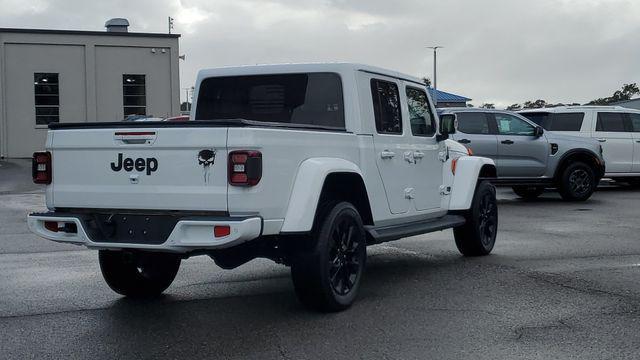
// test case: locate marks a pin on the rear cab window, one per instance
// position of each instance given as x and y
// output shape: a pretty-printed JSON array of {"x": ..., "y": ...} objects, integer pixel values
[{"x": 306, "y": 99}]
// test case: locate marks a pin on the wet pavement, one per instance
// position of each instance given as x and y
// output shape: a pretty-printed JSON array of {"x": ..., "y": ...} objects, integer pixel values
[{"x": 562, "y": 282}]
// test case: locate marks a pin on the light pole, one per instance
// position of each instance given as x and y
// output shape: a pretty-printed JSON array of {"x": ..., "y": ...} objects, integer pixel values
[{"x": 435, "y": 78}]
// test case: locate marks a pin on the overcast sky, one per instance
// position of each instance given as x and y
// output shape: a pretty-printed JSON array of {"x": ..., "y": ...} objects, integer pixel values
[{"x": 498, "y": 51}]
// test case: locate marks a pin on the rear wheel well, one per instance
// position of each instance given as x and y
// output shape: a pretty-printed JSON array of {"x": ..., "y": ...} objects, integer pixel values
[
  {"x": 346, "y": 187},
  {"x": 584, "y": 157}
]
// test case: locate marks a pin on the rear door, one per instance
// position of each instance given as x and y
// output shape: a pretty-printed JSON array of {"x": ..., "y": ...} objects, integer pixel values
[
  {"x": 163, "y": 168},
  {"x": 634, "y": 119},
  {"x": 520, "y": 153},
  {"x": 476, "y": 131},
  {"x": 391, "y": 142},
  {"x": 614, "y": 134}
]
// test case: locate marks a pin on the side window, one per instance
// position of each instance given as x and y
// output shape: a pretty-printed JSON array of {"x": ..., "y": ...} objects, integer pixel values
[
  {"x": 566, "y": 122},
  {"x": 511, "y": 125},
  {"x": 420, "y": 116},
  {"x": 613, "y": 122},
  {"x": 386, "y": 107},
  {"x": 635, "y": 121},
  {"x": 47, "y": 98},
  {"x": 473, "y": 123}
]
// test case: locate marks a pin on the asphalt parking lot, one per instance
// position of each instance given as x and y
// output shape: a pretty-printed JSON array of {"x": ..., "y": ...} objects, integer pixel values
[{"x": 562, "y": 282}]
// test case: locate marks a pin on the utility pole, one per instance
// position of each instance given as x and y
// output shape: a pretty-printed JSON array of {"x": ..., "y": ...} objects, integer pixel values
[
  {"x": 170, "y": 20},
  {"x": 435, "y": 79}
]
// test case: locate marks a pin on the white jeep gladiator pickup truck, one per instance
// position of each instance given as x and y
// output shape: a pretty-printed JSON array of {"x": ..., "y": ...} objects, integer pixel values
[{"x": 302, "y": 164}]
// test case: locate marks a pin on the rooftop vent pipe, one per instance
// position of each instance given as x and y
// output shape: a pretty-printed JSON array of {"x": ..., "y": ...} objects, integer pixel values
[{"x": 117, "y": 25}]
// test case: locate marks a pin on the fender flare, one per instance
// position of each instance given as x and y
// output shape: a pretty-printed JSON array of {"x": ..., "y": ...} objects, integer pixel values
[
  {"x": 465, "y": 180},
  {"x": 578, "y": 152},
  {"x": 307, "y": 188}
]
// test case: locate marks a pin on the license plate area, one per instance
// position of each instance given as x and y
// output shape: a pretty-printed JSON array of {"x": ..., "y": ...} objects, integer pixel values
[{"x": 129, "y": 228}]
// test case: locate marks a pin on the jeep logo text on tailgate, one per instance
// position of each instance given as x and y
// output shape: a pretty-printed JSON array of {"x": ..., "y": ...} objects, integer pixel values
[{"x": 140, "y": 164}]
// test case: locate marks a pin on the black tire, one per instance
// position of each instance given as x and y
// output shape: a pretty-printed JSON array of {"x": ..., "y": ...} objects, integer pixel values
[
  {"x": 138, "y": 274},
  {"x": 327, "y": 276},
  {"x": 528, "y": 192},
  {"x": 577, "y": 182},
  {"x": 478, "y": 235}
]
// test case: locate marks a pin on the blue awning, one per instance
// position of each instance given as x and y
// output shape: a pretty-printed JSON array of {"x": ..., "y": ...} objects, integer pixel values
[{"x": 447, "y": 97}]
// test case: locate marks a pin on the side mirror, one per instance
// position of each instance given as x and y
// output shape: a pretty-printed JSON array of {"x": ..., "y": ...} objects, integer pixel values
[
  {"x": 448, "y": 124},
  {"x": 538, "y": 131}
]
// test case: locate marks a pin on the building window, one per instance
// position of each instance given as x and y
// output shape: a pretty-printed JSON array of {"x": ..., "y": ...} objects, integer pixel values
[
  {"x": 47, "y": 98},
  {"x": 134, "y": 94}
]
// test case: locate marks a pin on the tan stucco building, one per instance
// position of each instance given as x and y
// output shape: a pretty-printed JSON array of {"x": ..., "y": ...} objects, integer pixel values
[{"x": 81, "y": 76}]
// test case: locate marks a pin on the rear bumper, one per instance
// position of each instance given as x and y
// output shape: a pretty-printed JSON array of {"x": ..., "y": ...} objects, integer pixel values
[{"x": 188, "y": 234}]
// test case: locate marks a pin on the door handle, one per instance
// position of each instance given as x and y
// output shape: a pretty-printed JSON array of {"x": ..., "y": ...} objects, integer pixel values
[
  {"x": 464, "y": 141},
  {"x": 386, "y": 154},
  {"x": 601, "y": 139},
  {"x": 507, "y": 142},
  {"x": 418, "y": 154}
]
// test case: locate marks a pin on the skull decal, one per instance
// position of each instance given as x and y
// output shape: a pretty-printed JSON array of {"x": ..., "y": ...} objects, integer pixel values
[{"x": 206, "y": 158}]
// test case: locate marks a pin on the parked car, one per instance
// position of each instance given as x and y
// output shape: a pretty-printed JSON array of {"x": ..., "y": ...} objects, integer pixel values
[
  {"x": 301, "y": 164},
  {"x": 528, "y": 158},
  {"x": 616, "y": 128}
]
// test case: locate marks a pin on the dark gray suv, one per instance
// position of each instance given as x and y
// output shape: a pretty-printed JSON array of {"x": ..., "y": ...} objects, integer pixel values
[{"x": 528, "y": 158}]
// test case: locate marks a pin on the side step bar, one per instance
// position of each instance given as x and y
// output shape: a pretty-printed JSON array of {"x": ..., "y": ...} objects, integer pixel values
[{"x": 394, "y": 232}]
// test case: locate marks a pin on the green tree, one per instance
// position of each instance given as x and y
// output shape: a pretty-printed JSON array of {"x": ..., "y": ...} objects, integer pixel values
[
  {"x": 538, "y": 104},
  {"x": 514, "y": 107},
  {"x": 625, "y": 93},
  {"x": 427, "y": 81},
  {"x": 487, "y": 106}
]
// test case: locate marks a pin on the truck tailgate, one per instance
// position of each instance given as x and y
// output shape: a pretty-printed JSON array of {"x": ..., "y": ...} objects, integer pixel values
[{"x": 159, "y": 168}]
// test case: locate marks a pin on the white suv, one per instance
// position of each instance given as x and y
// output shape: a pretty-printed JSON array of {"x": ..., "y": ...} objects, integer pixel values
[{"x": 616, "y": 128}]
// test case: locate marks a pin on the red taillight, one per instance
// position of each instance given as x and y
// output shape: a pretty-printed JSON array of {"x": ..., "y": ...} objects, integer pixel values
[
  {"x": 41, "y": 167},
  {"x": 245, "y": 168},
  {"x": 221, "y": 230}
]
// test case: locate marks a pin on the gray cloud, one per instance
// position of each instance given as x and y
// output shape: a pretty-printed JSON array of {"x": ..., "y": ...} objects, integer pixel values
[{"x": 501, "y": 51}]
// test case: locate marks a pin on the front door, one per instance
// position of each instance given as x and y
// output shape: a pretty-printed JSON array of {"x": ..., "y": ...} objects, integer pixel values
[
  {"x": 393, "y": 153},
  {"x": 613, "y": 133},
  {"x": 427, "y": 166},
  {"x": 520, "y": 153},
  {"x": 475, "y": 132}
]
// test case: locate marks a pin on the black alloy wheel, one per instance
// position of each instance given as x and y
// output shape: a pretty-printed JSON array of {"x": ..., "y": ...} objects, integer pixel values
[
  {"x": 577, "y": 182},
  {"x": 580, "y": 182},
  {"x": 478, "y": 234},
  {"x": 327, "y": 276},
  {"x": 346, "y": 263},
  {"x": 488, "y": 219}
]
